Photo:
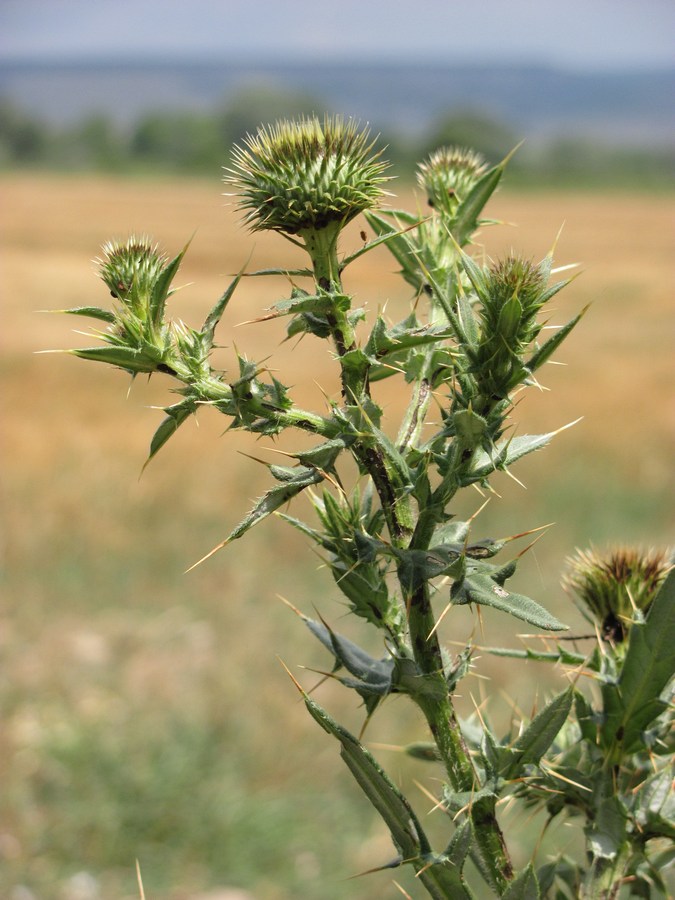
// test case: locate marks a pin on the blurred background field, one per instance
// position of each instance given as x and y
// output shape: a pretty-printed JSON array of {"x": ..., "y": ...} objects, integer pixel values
[{"x": 145, "y": 713}]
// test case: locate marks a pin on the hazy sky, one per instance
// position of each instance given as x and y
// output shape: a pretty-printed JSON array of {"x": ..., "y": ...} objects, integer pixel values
[{"x": 587, "y": 34}]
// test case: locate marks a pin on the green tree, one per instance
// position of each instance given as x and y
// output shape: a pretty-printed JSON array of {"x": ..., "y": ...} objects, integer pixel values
[
  {"x": 22, "y": 139},
  {"x": 466, "y": 128},
  {"x": 178, "y": 141}
]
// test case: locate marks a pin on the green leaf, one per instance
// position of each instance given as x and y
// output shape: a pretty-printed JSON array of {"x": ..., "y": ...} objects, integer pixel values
[
  {"x": 93, "y": 312},
  {"x": 268, "y": 503},
  {"x": 288, "y": 273},
  {"x": 458, "y": 849},
  {"x": 608, "y": 832},
  {"x": 409, "y": 333},
  {"x": 213, "y": 318},
  {"x": 531, "y": 745},
  {"x": 385, "y": 237},
  {"x": 399, "y": 244},
  {"x": 162, "y": 286},
  {"x": 466, "y": 218},
  {"x": 476, "y": 276},
  {"x": 416, "y": 567},
  {"x": 441, "y": 878},
  {"x": 506, "y": 452},
  {"x": 648, "y": 666},
  {"x": 467, "y": 320},
  {"x": 484, "y": 584},
  {"x": 524, "y": 886},
  {"x": 544, "y": 353},
  {"x": 563, "y": 870},
  {"x": 470, "y": 427},
  {"x": 302, "y": 302},
  {"x": 372, "y": 677},
  {"x": 309, "y": 323},
  {"x": 175, "y": 417},
  {"x": 399, "y": 816},
  {"x": 323, "y": 456},
  {"x": 122, "y": 357},
  {"x": 654, "y": 804}
]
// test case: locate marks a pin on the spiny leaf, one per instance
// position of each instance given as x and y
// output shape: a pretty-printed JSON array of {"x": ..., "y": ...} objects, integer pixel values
[
  {"x": 93, "y": 312},
  {"x": 544, "y": 353},
  {"x": 466, "y": 218},
  {"x": 484, "y": 584},
  {"x": 175, "y": 417},
  {"x": 506, "y": 452},
  {"x": 289, "y": 273},
  {"x": 267, "y": 504},
  {"x": 655, "y": 804},
  {"x": 406, "y": 831},
  {"x": 162, "y": 286},
  {"x": 608, "y": 832},
  {"x": 376, "y": 673},
  {"x": 442, "y": 878},
  {"x": 535, "y": 740},
  {"x": 524, "y": 886},
  {"x": 123, "y": 357},
  {"x": 384, "y": 238},
  {"x": 398, "y": 243},
  {"x": 648, "y": 667},
  {"x": 213, "y": 318},
  {"x": 302, "y": 302},
  {"x": 476, "y": 275}
]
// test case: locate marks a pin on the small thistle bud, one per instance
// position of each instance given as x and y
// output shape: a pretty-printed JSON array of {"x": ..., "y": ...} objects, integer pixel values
[
  {"x": 610, "y": 588},
  {"x": 512, "y": 279},
  {"x": 448, "y": 175},
  {"x": 511, "y": 295},
  {"x": 302, "y": 176},
  {"x": 130, "y": 269}
]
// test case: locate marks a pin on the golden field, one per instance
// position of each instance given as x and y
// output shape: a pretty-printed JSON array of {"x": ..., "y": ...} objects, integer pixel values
[{"x": 145, "y": 712}]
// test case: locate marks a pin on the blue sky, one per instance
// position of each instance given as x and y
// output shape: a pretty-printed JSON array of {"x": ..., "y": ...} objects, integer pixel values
[{"x": 580, "y": 34}]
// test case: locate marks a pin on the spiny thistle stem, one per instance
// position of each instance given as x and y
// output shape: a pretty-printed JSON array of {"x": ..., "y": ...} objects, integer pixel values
[{"x": 436, "y": 705}]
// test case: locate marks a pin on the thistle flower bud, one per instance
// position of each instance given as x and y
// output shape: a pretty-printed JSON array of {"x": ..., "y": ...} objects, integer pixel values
[
  {"x": 302, "y": 176},
  {"x": 511, "y": 294},
  {"x": 510, "y": 279},
  {"x": 610, "y": 588},
  {"x": 448, "y": 175},
  {"x": 131, "y": 268}
]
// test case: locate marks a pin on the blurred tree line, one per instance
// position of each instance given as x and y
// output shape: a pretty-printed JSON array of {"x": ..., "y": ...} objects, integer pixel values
[{"x": 198, "y": 143}]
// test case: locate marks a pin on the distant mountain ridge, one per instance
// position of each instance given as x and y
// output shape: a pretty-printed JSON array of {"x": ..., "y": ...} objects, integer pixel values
[{"x": 630, "y": 108}]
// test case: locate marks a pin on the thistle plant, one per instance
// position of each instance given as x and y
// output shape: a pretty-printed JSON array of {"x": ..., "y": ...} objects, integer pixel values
[{"x": 471, "y": 342}]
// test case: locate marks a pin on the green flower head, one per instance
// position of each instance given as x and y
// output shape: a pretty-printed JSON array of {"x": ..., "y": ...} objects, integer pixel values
[
  {"x": 448, "y": 175},
  {"x": 611, "y": 587},
  {"x": 305, "y": 175},
  {"x": 131, "y": 268}
]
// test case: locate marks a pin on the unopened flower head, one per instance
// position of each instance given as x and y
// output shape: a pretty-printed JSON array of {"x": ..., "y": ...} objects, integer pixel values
[
  {"x": 304, "y": 175},
  {"x": 611, "y": 587},
  {"x": 515, "y": 276},
  {"x": 130, "y": 268},
  {"x": 448, "y": 175}
]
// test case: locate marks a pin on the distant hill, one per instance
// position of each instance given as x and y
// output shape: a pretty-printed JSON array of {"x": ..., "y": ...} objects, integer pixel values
[{"x": 629, "y": 108}]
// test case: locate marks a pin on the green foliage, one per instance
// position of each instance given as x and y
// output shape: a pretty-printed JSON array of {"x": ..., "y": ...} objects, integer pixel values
[
  {"x": 198, "y": 143},
  {"x": 390, "y": 540},
  {"x": 489, "y": 137}
]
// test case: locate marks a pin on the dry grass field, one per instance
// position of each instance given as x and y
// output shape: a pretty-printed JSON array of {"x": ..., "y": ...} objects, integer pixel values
[{"x": 144, "y": 711}]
